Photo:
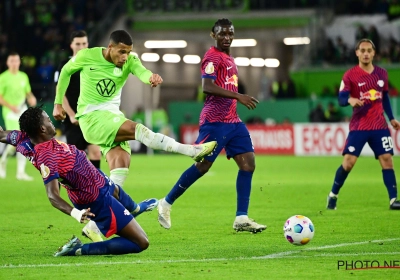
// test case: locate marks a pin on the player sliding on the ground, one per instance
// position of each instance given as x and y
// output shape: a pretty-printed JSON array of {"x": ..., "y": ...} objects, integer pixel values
[{"x": 90, "y": 191}]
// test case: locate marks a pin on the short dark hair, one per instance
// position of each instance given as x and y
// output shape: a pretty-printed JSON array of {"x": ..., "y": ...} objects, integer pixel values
[
  {"x": 220, "y": 22},
  {"x": 77, "y": 34},
  {"x": 365, "y": 40},
  {"x": 121, "y": 36},
  {"x": 13, "y": 53},
  {"x": 31, "y": 120}
]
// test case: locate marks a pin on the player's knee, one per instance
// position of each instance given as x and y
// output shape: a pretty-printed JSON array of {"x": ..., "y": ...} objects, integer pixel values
[{"x": 144, "y": 243}]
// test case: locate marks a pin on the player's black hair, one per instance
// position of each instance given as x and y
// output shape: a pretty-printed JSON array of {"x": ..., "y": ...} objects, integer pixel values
[
  {"x": 31, "y": 120},
  {"x": 220, "y": 22},
  {"x": 121, "y": 36},
  {"x": 77, "y": 34},
  {"x": 365, "y": 40},
  {"x": 13, "y": 53}
]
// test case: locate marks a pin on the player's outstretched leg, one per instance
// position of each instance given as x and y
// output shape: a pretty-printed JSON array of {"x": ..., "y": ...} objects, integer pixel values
[
  {"x": 340, "y": 178},
  {"x": 133, "y": 240},
  {"x": 158, "y": 141},
  {"x": 191, "y": 175}
]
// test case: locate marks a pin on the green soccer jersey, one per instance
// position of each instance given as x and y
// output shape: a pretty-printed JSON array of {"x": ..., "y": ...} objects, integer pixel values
[
  {"x": 14, "y": 87},
  {"x": 101, "y": 81}
]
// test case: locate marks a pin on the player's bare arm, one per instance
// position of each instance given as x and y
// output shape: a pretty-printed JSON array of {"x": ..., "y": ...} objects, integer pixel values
[
  {"x": 155, "y": 80},
  {"x": 53, "y": 193},
  {"x": 71, "y": 113},
  {"x": 3, "y": 135},
  {"x": 395, "y": 123},
  {"x": 8, "y": 105},
  {"x": 209, "y": 87},
  {"x": 31, "y": 99},
  {"x": 355, "y": 102}
]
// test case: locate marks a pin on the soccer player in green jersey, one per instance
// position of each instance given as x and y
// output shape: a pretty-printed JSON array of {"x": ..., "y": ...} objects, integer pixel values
[
  {"x": 15, "y": 90},
  {"x": 104, "y": 72}
]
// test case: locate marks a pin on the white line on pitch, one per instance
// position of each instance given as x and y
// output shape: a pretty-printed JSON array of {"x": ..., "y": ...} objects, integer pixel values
[{"x": 285, "y": 254}]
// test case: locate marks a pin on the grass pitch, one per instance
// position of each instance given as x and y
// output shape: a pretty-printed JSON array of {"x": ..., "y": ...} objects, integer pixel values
[{"x": 201, "y": 243}]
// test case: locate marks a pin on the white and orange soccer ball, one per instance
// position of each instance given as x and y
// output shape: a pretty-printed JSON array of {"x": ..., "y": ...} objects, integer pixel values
[{"x": 298, "y": 230}]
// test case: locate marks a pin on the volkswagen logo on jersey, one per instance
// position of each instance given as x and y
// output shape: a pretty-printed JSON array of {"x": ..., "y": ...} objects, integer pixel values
[
  {"x": 233, "y": 80},
  {"x": 371, "y": 95},
  {"x": 106, "y": 87}
]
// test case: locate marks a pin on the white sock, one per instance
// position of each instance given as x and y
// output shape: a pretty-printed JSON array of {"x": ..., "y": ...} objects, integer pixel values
[
  {"x": 331, "y": 194},
  {"x": 119, "y": 175},
  {"x": 158, "y": 141},
  {"x": 7, "y": 151},
  {"x": 392, "y": 200},
  {"x": 165, "y": 203},
  {"x": 21, "y": 163}
]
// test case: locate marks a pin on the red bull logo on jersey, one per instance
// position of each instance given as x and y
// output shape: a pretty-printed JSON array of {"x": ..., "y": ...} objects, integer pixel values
[
  {"x": 371, "y": 95},
  {"x": 233, "y": 80}
]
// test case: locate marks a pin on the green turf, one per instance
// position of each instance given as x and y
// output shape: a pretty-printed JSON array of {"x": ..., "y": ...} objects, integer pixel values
[{"x": 201, "y": 243}]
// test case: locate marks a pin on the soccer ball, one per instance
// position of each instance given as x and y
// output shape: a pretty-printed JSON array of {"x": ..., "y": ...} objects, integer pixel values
[{"x": 298, "y": 230}]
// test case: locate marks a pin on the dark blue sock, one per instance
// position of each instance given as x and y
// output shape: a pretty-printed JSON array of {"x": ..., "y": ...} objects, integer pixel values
[
  {"x": 185, "y": 181},
  {"x": 124, "y": 198},
  {"x": 390, "y": 182},
  {"x": 115, "y": 246},
  {"x": 340, "y": 177},
  {"x": 243, "y": 189}
]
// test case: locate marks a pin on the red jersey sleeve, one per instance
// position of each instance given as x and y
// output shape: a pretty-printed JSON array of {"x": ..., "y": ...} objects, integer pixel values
[
  {"x": 209, "y": 65},
  {"x": 46, "y": 161}
]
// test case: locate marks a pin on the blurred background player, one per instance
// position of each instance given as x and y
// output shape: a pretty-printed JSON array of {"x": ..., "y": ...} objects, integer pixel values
[
  {"x": 104, "y": 72},
  {"x": 15, "y": 90},
  {"x": 365, "y": 88},
  {"x": 73, "y": 132},
  {"x": 92, "y": 193},
  {"x": 220, "y": 122}
]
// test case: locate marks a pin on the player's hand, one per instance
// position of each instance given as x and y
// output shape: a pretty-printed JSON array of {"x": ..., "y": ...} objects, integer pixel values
[
  {"x": 86, "y": 215},
  {"x": 58, "y": 112},
  {"x": 73, "y": 120},
  {"x": 248, "y": 101},
  {"x": 395, "y": 123},
  {"x": 14, "y": 109},
  {"x": 32, "y": 100},
  {"x": 1, "y": 129},
  {"x": 155, "y": 80},
  {"x": 355, "y": 102}
]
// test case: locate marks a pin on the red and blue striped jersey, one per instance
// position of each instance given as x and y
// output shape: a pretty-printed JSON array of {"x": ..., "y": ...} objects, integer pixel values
[
  {"x": 220, "y": 67},
  {"x": 370, "y": 89},
  {"x": 58, "y": 160}
]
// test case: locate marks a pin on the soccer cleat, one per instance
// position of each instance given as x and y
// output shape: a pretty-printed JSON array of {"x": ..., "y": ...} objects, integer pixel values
[
  {"x": 91, "y": 231},
  {"x": 331, "y": 203},
  {"x": 244, "y": 223},
  {"x": 144, "y": 206},
  {"x": 203, "y": 150},
  {"x": 24, "y": 177},
  {"x": 395, "y": 205},
  {"x": 72, "y": 244},
  {"x": 2, "y": 170},
  {"x": 164, "y": 214}
]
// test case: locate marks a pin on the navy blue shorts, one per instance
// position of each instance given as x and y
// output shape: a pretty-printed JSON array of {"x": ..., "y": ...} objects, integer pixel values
[
  {"x": 110, "y": 216},
  {"x": 234, "y": 137},
  {"x": 380, "y": 142}
]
